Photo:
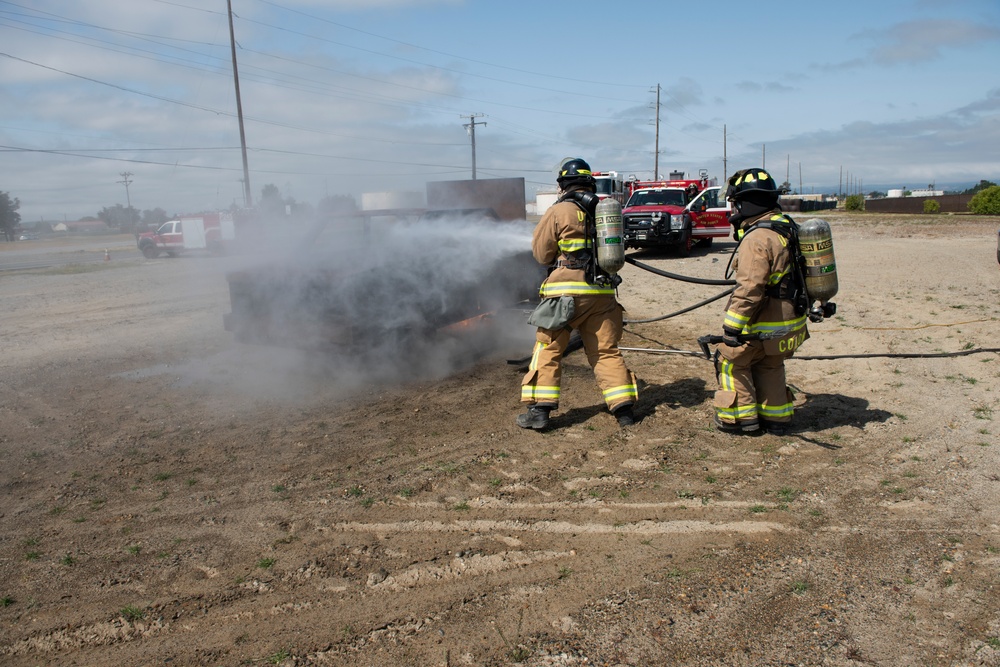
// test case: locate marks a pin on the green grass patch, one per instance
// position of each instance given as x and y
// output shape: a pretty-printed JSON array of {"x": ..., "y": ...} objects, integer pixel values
[
  {"x": 132, "y": 613},
  {"x": 278, "y": 658},
  {"x": 788, "y": 494}
]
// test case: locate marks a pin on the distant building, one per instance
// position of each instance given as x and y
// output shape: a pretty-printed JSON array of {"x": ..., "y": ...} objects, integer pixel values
[
  {"x": 81, "y": 227},
  {"x": 543, "y": 200},
  {"x": 807, "y": 197},
  {"x": 921, "y": 192}
]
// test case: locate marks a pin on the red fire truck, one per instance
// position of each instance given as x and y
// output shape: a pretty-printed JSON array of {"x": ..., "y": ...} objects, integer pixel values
[{"x": 674, "y": 213}]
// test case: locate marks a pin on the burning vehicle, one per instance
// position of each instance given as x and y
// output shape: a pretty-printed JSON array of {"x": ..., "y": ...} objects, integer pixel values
[{"x": 383, "y": 280}]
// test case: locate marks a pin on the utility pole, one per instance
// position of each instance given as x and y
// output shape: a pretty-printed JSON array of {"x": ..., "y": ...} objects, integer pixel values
[
  {"x": 126, "y": 182},
  {"x": 725, "y": 169},
  {"x": 247, "y": 199},
  {"x": 656, "y": 150},
  {"x": 470, "y": 127},
  {"x": 800, "y": 179},
  {"x": 763, "y": 162}
]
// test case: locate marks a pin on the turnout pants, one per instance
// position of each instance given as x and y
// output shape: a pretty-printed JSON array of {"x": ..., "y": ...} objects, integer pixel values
[
  {"x": 751, "y": 385},
  {"x": 599, "y": 321}
]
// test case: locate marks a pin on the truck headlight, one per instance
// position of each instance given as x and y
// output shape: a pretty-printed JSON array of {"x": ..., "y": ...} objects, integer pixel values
[{"x": 677, "y": 222}]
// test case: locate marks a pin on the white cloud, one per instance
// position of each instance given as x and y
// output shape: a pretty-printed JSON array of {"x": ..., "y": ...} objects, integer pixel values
[
  {"x": 915, "y": 42},
  {"x": 948, "y": 146}
]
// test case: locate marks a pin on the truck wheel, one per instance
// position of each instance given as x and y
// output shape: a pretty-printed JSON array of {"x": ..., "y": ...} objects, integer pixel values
[
  {"x": 704, "y": 242},
  {"x": 684, "y": 247},
  {"x": 150, "y": 251}
]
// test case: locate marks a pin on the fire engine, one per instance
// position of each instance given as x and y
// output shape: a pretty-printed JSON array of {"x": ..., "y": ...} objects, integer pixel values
[
  {"x": 675, "y": 213},
  {"x": 610, "y": 184},
  {"x": 210, "y": 232}
]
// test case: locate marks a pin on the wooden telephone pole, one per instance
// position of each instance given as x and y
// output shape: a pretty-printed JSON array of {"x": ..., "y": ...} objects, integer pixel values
[
  {"x": 471, "y": 128},
  {"x": 247, "y": 198}
]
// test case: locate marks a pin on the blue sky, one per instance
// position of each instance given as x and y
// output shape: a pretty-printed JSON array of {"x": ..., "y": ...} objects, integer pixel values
[{"x": 354, "y": 96}]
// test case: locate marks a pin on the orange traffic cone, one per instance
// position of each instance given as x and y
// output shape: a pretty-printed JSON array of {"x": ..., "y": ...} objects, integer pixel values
[{"x": 107, "y": 255}]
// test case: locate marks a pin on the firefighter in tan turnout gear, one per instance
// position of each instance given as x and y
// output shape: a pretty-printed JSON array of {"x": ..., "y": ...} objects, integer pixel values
[
  {"x": 577, "y": 294},
  {"x": 766, "y": 302}
]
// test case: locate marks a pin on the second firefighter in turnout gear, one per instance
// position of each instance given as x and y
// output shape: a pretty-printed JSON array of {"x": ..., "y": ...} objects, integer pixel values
[
  {"x": 752, "y": 394},
  {"x": 577, "y": 294}
]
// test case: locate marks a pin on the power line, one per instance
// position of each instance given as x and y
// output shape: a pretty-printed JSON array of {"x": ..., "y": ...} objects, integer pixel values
[
  {"x": 84, "y": 153},
  {"x": 548, "y": 75},
  {"x": 282, "y": 77}
]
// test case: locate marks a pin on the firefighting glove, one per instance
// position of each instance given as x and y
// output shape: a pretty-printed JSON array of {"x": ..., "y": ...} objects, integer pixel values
[{"x": 731, "y": 337}]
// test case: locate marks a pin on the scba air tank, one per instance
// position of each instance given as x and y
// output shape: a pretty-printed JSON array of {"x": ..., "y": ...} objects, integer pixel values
[
  {"x": 610, "y": 249},
  {"x": 816, "y": 245}
]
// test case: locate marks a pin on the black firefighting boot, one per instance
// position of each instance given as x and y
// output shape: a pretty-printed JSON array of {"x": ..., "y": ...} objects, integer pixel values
[
  {"x": 536, "y": 418},
  {"x": 775, "y": 428},
  {"x": 745, "y": 427},
  {"x": 625, "y": 416}
]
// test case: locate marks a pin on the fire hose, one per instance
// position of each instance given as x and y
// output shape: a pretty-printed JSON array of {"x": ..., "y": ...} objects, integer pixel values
[
  {"x": 576, "y": 343},
  {"x": 705, "y": 341},
  {"x": 687, "y": 279}
]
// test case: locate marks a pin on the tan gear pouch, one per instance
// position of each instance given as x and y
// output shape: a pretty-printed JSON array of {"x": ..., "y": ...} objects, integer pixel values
[
  {"x": 725, "y": 399},
  {"x": 553, "y": 314}
]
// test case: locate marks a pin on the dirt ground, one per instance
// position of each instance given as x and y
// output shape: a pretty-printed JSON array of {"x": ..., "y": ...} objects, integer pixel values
[{"x": 168, "y": 496}]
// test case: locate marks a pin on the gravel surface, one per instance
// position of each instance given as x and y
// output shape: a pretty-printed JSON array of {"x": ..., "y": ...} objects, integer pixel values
[{"x": 172, "y": 497}]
